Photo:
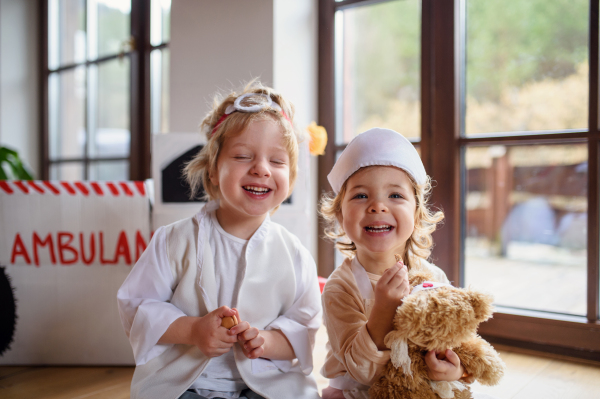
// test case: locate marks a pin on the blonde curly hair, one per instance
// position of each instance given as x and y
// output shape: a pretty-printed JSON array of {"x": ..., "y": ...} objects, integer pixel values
[
  {"x": 418, "y": 245},
  {"x": 198, "y": 171}
]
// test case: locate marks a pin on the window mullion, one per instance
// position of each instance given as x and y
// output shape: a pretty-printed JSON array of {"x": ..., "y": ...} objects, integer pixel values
[
  {"x": 593, "y": 251},
  {"x": 593, "y": 231},
  {"x": 440, "y": 126},
  {"x": 44, "y": 103},
  {"x": 140, "y": 91},
  {"x": 326, "y": 116}
]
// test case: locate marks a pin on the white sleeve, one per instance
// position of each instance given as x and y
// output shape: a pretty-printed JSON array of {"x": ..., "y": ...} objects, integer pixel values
[
  {"x": 302, "y": 320},
  {"x": 143, "y": 300}
]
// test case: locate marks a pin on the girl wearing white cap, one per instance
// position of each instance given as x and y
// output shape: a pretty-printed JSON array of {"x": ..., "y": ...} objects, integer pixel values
[
  {"x": 379, "y": 210},
  {"x": 228, "y": 260}
]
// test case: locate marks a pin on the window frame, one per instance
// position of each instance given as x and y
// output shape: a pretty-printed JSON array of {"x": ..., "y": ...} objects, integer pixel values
[
  {"x": 140, "y": 93},
  {"x": 442, "y": 62}
]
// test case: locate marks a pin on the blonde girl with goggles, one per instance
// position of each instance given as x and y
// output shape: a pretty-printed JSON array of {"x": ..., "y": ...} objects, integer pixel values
[{"x": 229, "y": 260}]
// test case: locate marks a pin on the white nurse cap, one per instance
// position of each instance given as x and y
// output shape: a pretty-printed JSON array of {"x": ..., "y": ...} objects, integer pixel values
[{"x": 377, "y": 146}]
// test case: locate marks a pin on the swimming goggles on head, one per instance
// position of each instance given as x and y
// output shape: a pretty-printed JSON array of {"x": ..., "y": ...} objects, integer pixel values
[{"x": 250, "y": 103}]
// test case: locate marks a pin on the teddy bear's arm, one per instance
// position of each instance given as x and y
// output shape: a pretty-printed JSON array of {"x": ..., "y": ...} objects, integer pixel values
[{"x": 481, "y": 361}]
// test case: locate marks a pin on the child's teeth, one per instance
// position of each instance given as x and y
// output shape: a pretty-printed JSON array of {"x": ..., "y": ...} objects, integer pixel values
[
  {"x": 378, "y": 229},
  {"x": 257, "y": 189}
]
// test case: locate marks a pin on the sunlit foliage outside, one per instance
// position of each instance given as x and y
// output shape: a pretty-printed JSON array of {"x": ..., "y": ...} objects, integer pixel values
[{"x": 526, "y": 66}]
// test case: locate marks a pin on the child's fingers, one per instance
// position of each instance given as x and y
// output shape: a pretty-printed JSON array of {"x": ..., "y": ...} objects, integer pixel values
[
  {"x": 398, "y": 281},
  {"x": 388, "y": 275},
  {"x": 396, "y": 273},
  {"x": 452, "y": 357},
  {"x": 225, "y": 336},
  {"x": 254, "y": 343},
  {"x": 224, "y": 311},
  {"x": 223, "y": 344},
  {"x": 237, "y": 315},
  {"x": 255, "y": 353},
  {"x": 248, "y": 334},
  {"x": 433, "y": 363},
  {"x": 240, "y": 328},
  {"x": 403, "y": 272}
]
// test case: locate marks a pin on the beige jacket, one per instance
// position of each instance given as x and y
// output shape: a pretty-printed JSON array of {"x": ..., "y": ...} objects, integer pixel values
[{"x": 351, "y": 351}]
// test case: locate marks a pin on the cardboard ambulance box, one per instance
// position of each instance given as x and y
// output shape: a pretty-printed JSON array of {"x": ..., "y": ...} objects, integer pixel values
[{"x": 66, "y": 248}]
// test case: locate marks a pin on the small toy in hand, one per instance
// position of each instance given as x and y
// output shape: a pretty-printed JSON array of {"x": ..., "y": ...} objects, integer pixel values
[
  {"x": 228, "y": 322},
  {"x": 436, "y": 317}
]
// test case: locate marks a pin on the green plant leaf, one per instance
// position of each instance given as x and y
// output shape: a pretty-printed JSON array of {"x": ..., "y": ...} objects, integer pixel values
[
  {"x": 11, "y": 159},
  {"x": 2, "y": 173}
]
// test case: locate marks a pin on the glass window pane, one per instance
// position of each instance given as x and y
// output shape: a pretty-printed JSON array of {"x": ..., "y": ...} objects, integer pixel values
[
  {"x": 159, "y": 87},
  {"x": 526, "y": 227},
  {"x": 526, "y": 65},
  {"x": 66, "y": 113},
  {"x": 378, "y": 68},
  {"x": 67, "y": 171},
  {"x": 66, "y": 32},
  {"x": 109, "y": 170},
  {"x": 108, "y": 26},
  {"x": 160, "y": 24},
  {"x": 109, "y": 113}
]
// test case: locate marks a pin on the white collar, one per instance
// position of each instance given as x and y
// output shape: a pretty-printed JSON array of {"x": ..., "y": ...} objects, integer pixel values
[{"x": 362, "y": 280}]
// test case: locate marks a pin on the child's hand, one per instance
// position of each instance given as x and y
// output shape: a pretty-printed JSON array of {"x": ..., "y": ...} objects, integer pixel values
[
  {"x": 251, "y": 341},
  {"x": 393, "y": 286},
  {"x": 208, "y": 335},
  {"x": 444, "y": 366},
  {"x": 389, "y": 291}
]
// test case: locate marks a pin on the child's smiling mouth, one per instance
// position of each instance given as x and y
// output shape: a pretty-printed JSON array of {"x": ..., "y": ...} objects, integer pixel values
[
  {"x": 380, "y": 228},
  {"x": 257, "y": 190}
]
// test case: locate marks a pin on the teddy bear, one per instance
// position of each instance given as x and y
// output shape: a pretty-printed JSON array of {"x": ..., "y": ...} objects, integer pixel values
[{"x": 437, "y": 316}]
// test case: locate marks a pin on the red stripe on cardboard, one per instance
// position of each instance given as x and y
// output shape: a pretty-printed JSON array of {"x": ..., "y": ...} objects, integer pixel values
[
  {"x": 4, "y": 186},
  {"x": 84, "y": 190},
  {"x": 126, "y": 189},
  {"x": 50, "y": 187},
  {"x": 36, "y": 187},
  {"x": 112, "y": 189},
  {"x": 140, "y": 187},
  {"x": 97, "y": 188},
  {"x": 68, "y": 187},
  {"x": 20, "y": 184}
]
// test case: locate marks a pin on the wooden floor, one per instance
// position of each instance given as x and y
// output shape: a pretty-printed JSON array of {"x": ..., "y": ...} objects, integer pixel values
[
  {"x": 65, "y": 382},
  {"x": 528, "y": 377}
]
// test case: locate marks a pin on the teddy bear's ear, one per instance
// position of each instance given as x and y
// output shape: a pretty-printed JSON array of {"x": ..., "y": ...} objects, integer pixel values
[
  {"x": 419, "y": 276},
  {"x": 416, "y": 278},
  {"x": 482, "y": 305}
]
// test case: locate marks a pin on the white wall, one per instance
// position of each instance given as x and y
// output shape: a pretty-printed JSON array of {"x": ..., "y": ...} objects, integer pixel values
[
  {"x": 19, "y": 79},
  {"x": 295, "y": 74},
  {"x": 218, "y": 45}
]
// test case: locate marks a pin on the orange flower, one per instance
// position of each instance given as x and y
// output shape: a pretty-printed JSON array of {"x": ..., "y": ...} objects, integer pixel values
[{"x": 318, "y": 139}]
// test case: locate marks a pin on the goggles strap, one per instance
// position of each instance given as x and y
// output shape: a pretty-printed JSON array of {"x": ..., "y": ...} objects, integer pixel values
[
  {"x": 236, "y": 107},
  {"x": 222, "y": 118}
]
